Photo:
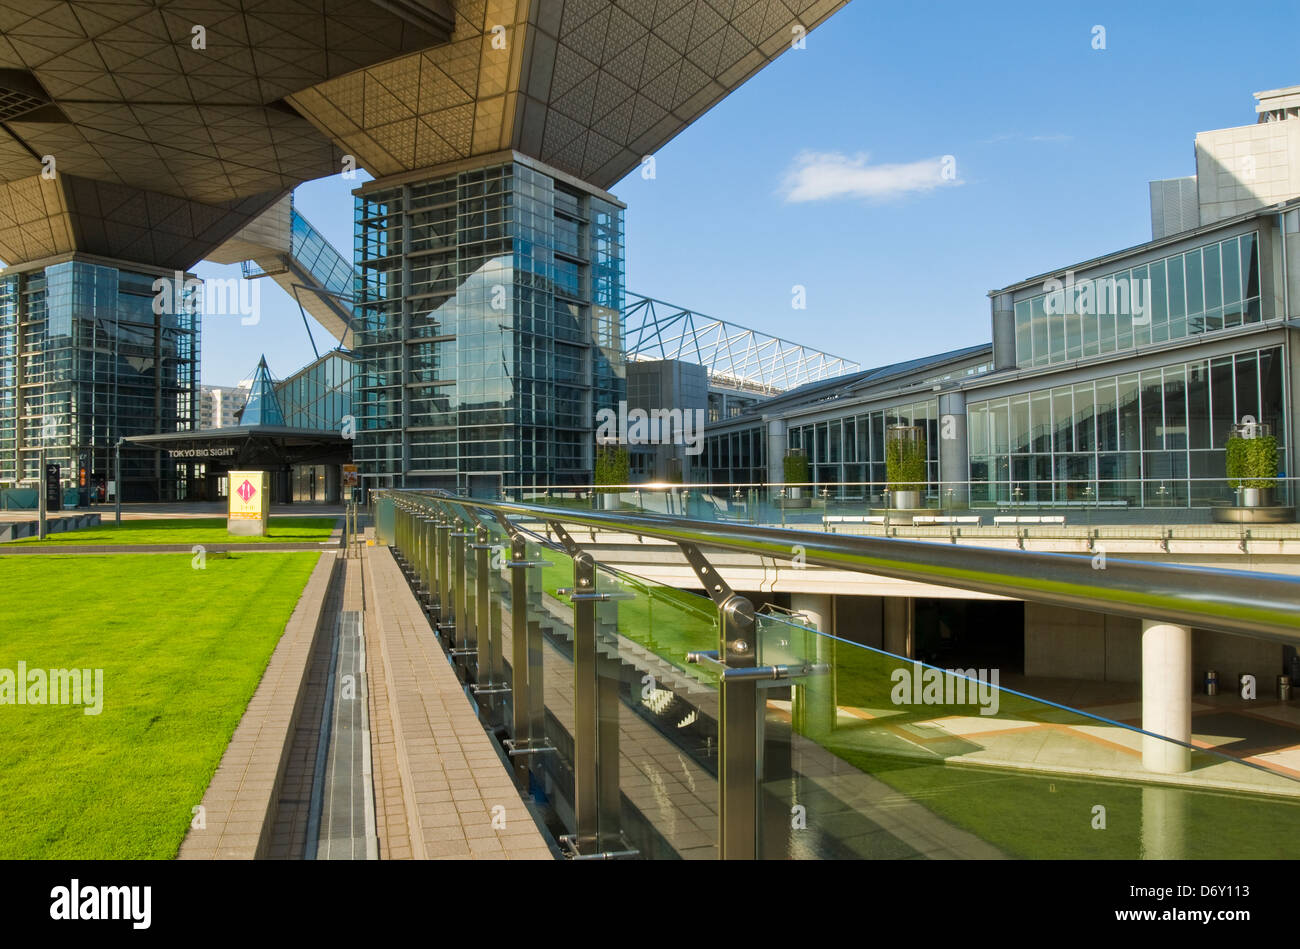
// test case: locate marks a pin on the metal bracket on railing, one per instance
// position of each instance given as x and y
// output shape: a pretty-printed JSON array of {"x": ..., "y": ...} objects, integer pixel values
[
  {"x": 1245, "y": 536},
  {"x": 707, "y": 655},
  {"x": 775, "y": 673},
  {"x": 518, "y": 748},
  {"x": 717, "y": 588},
  {"x": 507, "y": 525},
  {"x": 598, "y": 597},
  {"x": 569, "y": 846},
  {"x": 566, "y": 540},
  {"x": 1165, "y": 537}
]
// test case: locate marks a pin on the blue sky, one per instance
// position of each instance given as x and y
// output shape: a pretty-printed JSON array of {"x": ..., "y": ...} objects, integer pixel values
[{"x": 824, "y": 170}]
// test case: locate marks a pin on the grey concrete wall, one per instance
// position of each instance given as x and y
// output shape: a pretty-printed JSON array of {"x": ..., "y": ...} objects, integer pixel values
[
  {"x": 1232, "y": 655},
  {"x": 860, "y": 619},
  {"x": 1079, "y": 644}
]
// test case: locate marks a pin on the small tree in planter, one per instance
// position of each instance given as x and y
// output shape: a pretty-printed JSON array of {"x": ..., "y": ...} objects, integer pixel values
[
  {"x": 796, "y": 472},
  {"x": 905, "y": 464},
  {"x": 1252, "y": 463},
  {"x": 613, "y": 467}
]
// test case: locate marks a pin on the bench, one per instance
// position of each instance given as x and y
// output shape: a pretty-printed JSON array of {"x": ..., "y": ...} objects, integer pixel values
[
  {"x": 829, "y": 519},
  {"x": 1028, "y": 519}
]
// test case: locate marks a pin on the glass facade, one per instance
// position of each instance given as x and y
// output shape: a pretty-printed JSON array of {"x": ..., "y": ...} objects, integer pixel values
[
  {"x": 84, "y": 360},
  {"x": 320, "y": 395},
  {"x": 1144, "y": 438},
  {"x": 848, "y": 449},
  {"x": 1206, "y": 289},
  {"x": 490, "y": 304},
  {"x": 852, "y": 448},
  {"x": 735, "y": 457}
]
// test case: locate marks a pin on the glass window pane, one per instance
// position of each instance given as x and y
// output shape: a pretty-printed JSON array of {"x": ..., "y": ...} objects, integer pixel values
[
  {"x": 1195, "y": 291},
  {"x": 1024, "y": 335},
  {"x": 1039, "y": 318},
  {"x": 1159, "y": 302},
  {"x": 1085, "y": 433},
  {"x": 1249, "y": 265},
  {"x": 1063, "y": 418},
  {"x": 1177, "y": 300},
  {"x": 1107, "y": 422},
  {"x": 1271, "y": 409},
  {"x": 998, "y": 426},
  {"x": 1198, "y": 405},
  {"x": 1175, "y": 408},
  {"x": 1056, "y": 330},
  {"x": 1040, "y": 411},
  {"x": 1019, "y": 421},
  {"x": 1152, "y": 410},
  {"x": 1130, "y": 427},
  {"x": 1139, "y": 300},
  {"x": 1223, "y": 410},
  {"x": 1247, "y": 371}
]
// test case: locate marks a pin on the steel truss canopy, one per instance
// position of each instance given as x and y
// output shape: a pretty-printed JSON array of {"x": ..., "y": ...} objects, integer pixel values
[
  {"x": 735, "y": 356},
  {"x": 162, "y": 149}
]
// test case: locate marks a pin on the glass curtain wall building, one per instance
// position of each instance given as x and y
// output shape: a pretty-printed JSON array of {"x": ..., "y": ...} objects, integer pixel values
[
  {"x": 84, "y": 361},
  {"x": 490, "y": 300},
  {"x": 319, "y": 395}
]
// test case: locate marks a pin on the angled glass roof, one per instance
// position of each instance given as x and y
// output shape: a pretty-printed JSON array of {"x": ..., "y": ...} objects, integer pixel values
[{"x": 263, "y": 406}]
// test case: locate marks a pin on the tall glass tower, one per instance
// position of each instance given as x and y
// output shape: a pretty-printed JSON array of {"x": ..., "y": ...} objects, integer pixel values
[
  {"x": 490, "y": 300},
  {"x": 84, "y": 361}
]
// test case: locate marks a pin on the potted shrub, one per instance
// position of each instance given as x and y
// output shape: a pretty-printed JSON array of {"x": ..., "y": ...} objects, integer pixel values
[
  {"x": 796, "y": 474},
  {"x": 905, "y": 465},
  {"x": 613, "y": 467},
  {"x": 1252, "y": 464}
]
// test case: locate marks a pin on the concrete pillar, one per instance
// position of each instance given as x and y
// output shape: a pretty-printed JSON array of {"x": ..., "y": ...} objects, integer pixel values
[
  {"x": 1004, "y": 331},
  {"x": 954, "y": 451},
  {"x": 1166, "y": 696},
  {"x": 776, "y": 445},
  {"x": 900, "y": 626},
  {"x": 813, "y": 701},
  {"x": 817, "y": 607}
]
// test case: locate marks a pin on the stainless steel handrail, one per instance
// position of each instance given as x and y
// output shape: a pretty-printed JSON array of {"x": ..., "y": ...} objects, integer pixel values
[{"x": 1265, "y": 606}]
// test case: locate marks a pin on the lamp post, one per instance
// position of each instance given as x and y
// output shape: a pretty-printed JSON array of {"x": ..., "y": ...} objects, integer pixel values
[
  {"x": 117, "y": 482},
  {"x": 43, "y": 487}
]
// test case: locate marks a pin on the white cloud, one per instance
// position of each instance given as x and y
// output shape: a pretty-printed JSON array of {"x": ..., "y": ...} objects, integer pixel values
[{"x": 817, "y": 176}]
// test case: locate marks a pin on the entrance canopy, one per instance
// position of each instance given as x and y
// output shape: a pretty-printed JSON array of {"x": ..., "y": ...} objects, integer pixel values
[{"x": 251, "y": 446}]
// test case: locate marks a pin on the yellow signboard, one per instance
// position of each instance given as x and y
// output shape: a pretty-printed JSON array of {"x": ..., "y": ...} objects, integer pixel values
[
  {"x": 350, "y": 477},
  {"x": 250, "y": 503}
]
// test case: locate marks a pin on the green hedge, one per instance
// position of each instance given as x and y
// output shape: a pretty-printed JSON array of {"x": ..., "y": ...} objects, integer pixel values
[
  {"x": 613, "y": 465},
  {"x": 905, "y": 463},
  {"x": 796, "y": 469},
  {"x": 1252, "y": 462}
]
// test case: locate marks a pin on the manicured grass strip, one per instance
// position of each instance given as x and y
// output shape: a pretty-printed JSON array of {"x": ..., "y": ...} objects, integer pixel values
[
  {"x": 191, "y": 530},
  {"x": 1042, "y": 816},
  {"x": 181, "y": 650}
]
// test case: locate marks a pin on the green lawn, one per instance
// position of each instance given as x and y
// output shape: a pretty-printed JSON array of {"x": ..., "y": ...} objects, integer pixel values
[
  {"x": 191, "y": 530},
  {"x": 1045, "y": 816},
  {"x": 181, "y": 650}
]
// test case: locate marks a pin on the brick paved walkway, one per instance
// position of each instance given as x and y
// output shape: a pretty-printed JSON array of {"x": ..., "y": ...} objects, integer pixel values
[{"x": 456, "y": 794}]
